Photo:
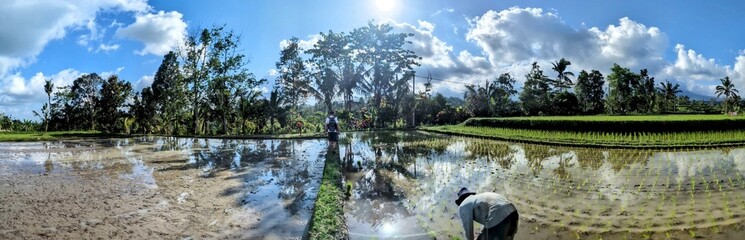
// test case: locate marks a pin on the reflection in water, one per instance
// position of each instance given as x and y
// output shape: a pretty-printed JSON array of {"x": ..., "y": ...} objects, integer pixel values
[{"x": 410, "y": 179}]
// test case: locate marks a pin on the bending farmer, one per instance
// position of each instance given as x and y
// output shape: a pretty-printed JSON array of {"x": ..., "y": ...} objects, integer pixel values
[{"x": 497, "y": 214}]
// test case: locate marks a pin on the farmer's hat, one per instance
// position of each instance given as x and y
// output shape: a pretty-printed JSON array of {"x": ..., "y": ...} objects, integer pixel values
[{"x": 463, "y": 194}]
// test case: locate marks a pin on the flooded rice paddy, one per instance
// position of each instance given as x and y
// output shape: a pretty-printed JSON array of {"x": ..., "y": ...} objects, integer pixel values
[
  {"x": 403, "y": 185},
  {"x": 151, "y": 188}
]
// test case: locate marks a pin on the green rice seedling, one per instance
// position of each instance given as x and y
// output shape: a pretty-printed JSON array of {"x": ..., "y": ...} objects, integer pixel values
[{"x": 692, "y": 233}]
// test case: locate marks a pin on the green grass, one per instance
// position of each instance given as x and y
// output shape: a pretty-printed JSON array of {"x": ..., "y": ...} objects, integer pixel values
[
  {"x": 41, "y": 136},
  {"x": 328, "y": 220},
  {"x": 605, "y": 118},
  {"x": 617, "y": 124},
  {"x": 600, "y": 139},
  {"x": 61, "y": 135}
]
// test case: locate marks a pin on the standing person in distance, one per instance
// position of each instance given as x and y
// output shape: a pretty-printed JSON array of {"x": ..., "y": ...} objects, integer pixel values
[{"x": 332, "y": 128}]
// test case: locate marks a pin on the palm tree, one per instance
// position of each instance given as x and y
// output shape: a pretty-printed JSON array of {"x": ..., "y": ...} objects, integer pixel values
[
  {"x": 48, "y": 87},
  {"x": 728, "y": 90},
  {"x": 562, "y": 80},
  {"x": 352, "y": 80},
  {"x": 669, "y": 91}
]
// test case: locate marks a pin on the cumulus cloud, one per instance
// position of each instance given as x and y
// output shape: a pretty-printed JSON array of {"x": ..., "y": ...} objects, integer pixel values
[
  {"x": 434, "y": 52},
  {"x": 530, "y": 34},
  {"x": 28, "y": 26},
  {"x": 143, "y": 82},
  {"x": 304, "y": 44},
  {"x": 160, "y": 32},
  {"x": 107, "y": 74},
  {"x": 272, "y": 72},
  {"x": 107, "y": 48},
  {"x": 18, "y": 95}
]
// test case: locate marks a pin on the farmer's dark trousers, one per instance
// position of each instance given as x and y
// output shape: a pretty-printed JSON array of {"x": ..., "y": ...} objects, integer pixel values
[
  {"x": 333, "y": 136},
  {"x": 504, "y": 230}
]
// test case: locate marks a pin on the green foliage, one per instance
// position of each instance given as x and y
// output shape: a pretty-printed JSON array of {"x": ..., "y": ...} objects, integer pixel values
[
  {"x": 730, "y": 93},
  {"x": 114, "y": 93},
  {"x": 492, "y": 99},
  {"x": 590, "y": 93},
  {"x": 85, "y": 92},
  {"x": 668, "y": 95},
  {"x": 536, "y": 94},
  {"x": 621, "y": 91},
  {"x": 169, "y": 90}
]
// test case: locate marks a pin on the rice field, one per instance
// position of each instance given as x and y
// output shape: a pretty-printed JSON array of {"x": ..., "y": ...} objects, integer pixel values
[
  {"x": 602, "y": 139},
  {"x": 403, "y": 185}
]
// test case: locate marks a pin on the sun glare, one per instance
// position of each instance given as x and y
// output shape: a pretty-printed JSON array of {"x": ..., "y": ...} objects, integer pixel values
[{"x": 385, "y": 5}]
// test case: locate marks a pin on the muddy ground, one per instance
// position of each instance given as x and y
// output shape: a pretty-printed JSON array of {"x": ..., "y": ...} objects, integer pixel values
[{"x": 158, "y": 188}]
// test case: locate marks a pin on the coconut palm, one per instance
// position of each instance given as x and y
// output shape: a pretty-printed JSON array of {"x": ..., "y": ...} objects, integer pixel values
[
  {"x": 669, "y": 91},
  {"x": 728, "y": 90},
  {"x": 48, "y": 87},
  {"x": 562, "y": 80}
]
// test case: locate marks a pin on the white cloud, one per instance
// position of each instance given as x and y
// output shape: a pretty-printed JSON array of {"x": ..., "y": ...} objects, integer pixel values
[
  {"x": 434, "y": 52},
  {"x": 530, "y": 34},
  {"x": 107, "y": 48},
  {"x": 18, "y": 96},
  {"x": 304, "y": 44},
  {"x": 272, "y": 72},
  {"x": 28, "y": 26},
  {"x": 107, "y": 74},
  {"x": 694, "y": 66},
  {"x": 143, "y": 82},
  {"x": 160, "y": 32}
]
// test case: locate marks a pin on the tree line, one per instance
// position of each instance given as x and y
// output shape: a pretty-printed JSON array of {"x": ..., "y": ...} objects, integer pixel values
[
  {"x": 205, "y": 88},
  {"x": 625, "y": 93}
]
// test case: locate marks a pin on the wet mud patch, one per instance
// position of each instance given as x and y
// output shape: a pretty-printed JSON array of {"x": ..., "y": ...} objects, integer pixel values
[{"x": 157, "y": 187}]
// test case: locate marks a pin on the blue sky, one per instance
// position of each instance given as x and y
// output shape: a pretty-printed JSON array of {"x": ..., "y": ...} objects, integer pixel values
[{"x": 693, "y": 43}]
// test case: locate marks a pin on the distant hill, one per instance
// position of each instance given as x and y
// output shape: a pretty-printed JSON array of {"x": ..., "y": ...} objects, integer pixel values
[
  {"x": 696, "y": 96},
  {"x": 455, "y": 101}
]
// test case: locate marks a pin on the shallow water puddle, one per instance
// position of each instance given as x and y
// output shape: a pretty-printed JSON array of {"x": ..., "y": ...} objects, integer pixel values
[
  {"x": 159, "y": 187},
  {"x": 404, "y": 185}
]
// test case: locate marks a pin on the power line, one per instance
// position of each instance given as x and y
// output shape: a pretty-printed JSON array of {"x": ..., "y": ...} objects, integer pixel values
[{"x": 442, "y": 80}]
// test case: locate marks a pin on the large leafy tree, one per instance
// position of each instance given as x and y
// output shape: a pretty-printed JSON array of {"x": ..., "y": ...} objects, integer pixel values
[
  {"x": 170, "y": 94},
  {"x": 727, "y": 88},
  {"x": 195, "y": 69},
  {"x": 644, "y": 92},
  {"x": 85, "y": 92},
  {"x": 143, "y": 109},
  {"x": 294, "y": 84},
  {"x": 589, "y": 90},
  {"x": 227, "y": 77},
  {"x": 384, "y": 55},
  {"x": 536, "y": 94},
  {"x": 114, "y": 93},
  {"x": 500, "y": 92},
  {"x": 621, "y": 90},
  {"x": 669, "y": 93}
]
